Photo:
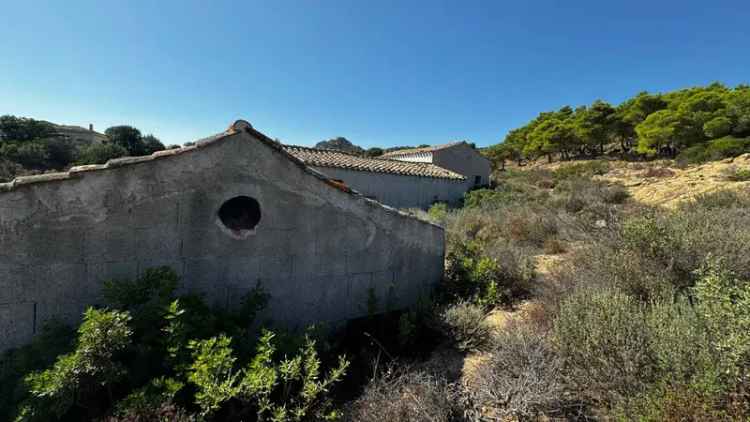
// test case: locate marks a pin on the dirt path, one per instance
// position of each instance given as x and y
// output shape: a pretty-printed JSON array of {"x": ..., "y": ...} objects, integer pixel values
[{"x": 500, "y": 318}]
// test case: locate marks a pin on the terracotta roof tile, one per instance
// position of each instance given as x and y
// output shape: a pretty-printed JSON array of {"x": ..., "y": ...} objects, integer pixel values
[
  {"x": 410, "y": 151},
  {"x": 343, "y": 160}
]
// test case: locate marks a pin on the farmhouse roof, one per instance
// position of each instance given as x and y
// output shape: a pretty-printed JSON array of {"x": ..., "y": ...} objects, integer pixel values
[
  {"x": 409, "y": 151},
  {"x": 343, "y": 160}
]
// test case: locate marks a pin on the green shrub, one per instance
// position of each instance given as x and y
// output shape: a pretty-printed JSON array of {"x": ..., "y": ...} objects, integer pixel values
[
  {"x": 438, "y": 212},
  {"x": 156, "y": 359},
  {"x": 155, "y": 401},
  {"x": 616, "y": 195},
  {"x": 465, "y": 324},
  {"x": 54, "y": 339},
  {"x": 291, "y": 389},
  {"x": 723, "y": 301},
  {"x": 470, "y": 274},
  {"x": 701, "y": 352},
  {"x": 8, "y": 170},
  {"x": 480, "y": 197},
  {"x": 602, "y": 337},
  {"x": 735, "y": 174},
  {"x": 532, "y": 228},
  {"x": 582, "y": 170},
  {"x": 76, "y": 376},
  {"x": 717, "y": 149},
  {"x": 717, "y": 200},
  {"x": 101, "y": 153},
  {"x": 31, "y": 154},
  {"x": 726, "y": 147},
  {"x": 505, "y": 194},
  {"x": 681, "y": 241},
  {"x": 695, "y": 154}
]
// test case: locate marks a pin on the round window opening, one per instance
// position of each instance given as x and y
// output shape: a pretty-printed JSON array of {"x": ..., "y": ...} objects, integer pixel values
[{"x": 240, "y": 215}]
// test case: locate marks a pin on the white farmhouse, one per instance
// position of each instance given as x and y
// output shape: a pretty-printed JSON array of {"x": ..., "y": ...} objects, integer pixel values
[{"x": 408, "y": 178}]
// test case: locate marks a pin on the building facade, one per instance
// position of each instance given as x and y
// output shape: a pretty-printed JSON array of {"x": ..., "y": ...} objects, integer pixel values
[
  {"x": 231, "y": 211},
  {"x": 458, "y": 157},
  {"x": 399, "y": 184}
]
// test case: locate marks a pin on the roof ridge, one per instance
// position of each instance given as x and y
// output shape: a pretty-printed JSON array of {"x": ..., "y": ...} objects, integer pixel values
[
  {"x": 379, "y": 157},
  {"x": 326, "y": 150},
  {"x": 339, "y": 159},
  {"x": 236, "y": 127},
  {"x": 423, "y": 149}
]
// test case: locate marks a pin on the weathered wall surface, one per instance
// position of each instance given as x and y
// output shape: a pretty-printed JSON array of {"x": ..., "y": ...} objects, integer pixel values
[
  {"x": 317, "y": 250},
  {"x": 397, "y": 190},
  {"x": 464, "y": 160}
]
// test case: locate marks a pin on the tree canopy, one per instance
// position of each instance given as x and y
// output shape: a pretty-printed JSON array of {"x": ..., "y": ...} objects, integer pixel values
[
  {"x": 30, "y": 146},
  {"x": 648, "y": 123}
]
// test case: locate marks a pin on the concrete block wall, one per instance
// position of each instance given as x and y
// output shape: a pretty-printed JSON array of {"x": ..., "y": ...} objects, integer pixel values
[{"x": 317, "y": 249}]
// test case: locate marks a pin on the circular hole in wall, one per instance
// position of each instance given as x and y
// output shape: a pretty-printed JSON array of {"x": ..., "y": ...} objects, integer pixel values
[{"x": 240, "y": 215}]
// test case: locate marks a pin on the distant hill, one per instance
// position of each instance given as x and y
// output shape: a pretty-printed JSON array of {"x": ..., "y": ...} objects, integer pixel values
[
  {"x": 79, "y": 136},
  {"x": 340, "y": 144}
]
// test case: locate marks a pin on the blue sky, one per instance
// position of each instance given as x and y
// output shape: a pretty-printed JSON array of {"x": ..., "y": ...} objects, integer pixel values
[{"x": 379, "y": 73}]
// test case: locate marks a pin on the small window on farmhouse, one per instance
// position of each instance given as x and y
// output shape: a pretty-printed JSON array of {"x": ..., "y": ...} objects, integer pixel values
[
  {"x": 477, "y": 180},
  {"x": 240, "y": 215}
]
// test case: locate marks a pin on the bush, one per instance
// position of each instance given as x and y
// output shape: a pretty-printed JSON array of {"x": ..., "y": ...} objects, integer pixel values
[
  {"x": 700, "y": 352},
  {"x": 695, "y": 154},
  {"x": 472, "y": 275},
  {"x": 577, "y": 195},
  {"x": 507, "y": 192},
  {"x": 31, "y": 154},
  {"x": 54, "y": 339},
  {"x": 75, "y": 377},
  {"x": 616, "y": 195},
  {"x": 602, "y": 337},
  {"x": 401, "y": 394},
  {"x": 532, "y": 228},
  {"x": 724, "y": 303},
  {"x": 522, "y": 378},
  {"x": 39, "y": 154},
  {"x": 8, "y": 170},
  {"x": 160, "y": 355},
  {"x": 734, "y": 174},
  {"x": 465, "y": 324},
  {"x": 101, "y": 153},
  {"x": 582, "y": 170},
  {"x": 287, "y": 390},
  {"x": 681, "y": 241},
  {"x": 717, "y": 149},
  {"x": 554, "y": 247},
  {"x": 438, "y": 212},
  {"x": 727, "y": 147},
  {"x": 718, "y": 200}
]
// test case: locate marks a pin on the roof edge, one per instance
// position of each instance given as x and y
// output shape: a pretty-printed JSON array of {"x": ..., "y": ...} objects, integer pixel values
[{"x": 237, "y": 127}]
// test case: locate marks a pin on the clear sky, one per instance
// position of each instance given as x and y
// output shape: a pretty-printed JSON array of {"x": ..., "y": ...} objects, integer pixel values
[{"x": 379, "y": 73}]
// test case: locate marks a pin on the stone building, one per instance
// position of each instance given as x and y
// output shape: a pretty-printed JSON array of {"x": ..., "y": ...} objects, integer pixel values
[
  {"x": 407, "y": 178},
  {"x": 459, "y": 157},
  {"x": 400, "y": 184},
  {"x": 233, "y": 210}
]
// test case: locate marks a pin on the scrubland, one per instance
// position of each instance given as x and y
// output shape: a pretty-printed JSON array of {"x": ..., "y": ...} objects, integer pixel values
[{"x": 570, "y": 293}]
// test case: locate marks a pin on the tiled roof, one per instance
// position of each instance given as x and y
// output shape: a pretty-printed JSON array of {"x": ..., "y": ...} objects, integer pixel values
[
  {"x": 339, "y": 159},
  {"x": 410, "y": 151}
]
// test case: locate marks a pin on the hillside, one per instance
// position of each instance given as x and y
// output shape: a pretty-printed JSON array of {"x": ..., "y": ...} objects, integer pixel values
[{"x": 664, "y": 182}]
